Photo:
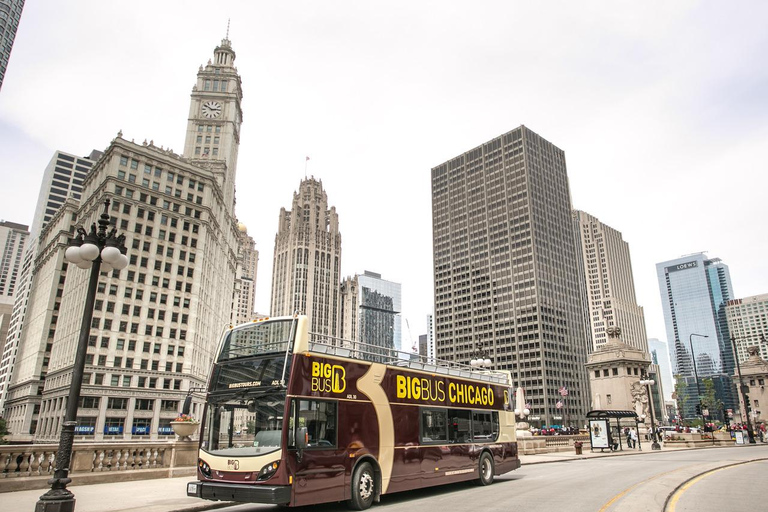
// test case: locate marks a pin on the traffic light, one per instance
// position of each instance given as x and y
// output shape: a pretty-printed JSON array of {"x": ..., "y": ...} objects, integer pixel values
[{"x": 698, "y": 409}]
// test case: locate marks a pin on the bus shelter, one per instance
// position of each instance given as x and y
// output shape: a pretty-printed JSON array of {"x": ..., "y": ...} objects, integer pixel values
[{"x": 605, "y": 433}]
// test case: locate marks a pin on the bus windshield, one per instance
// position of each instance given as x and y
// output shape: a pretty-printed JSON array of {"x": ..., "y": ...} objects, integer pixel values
[
  {"x": 244, "y": 427},
  {"x": 256, "y": 339},
  {"x": 245, "y": 406}
]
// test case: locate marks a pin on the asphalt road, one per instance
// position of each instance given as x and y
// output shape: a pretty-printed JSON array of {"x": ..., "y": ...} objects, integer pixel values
[{"x": 716, "y": 480}]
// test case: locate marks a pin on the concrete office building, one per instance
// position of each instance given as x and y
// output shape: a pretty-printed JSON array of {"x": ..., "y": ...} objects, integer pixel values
[
  {"x": 63, "y": 178},
  {"x": 747, "y": 320},
  {"x": 430, "y": 353},
  {"x": 694, "y": 290},
  {"x": 506, "y": 270},
  {"x": 157, "y": 323},
  {"x": 10, "y": 15},
  {"x": 13, "y": 243},
  {"x": 610, "y": 285},
  {"x": 371, "y": 311},
  {"x": 306, "y": 271},
  {"x": 244, "y": 296}
]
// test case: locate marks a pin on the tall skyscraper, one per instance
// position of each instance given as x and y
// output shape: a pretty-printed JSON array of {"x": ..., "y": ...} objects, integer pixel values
[
  {"x": 13, "y": 241},
  {"x": 306, "y": 272},
  {"x": 10, "y": 15},
  {"x": 430, "y": 353},
  {"x": 156, "y": 323},
  {"x": 660, "y": 356},
  {"x": 506, "y": 270},
  {"x": 62, "y": 179},
  {"x": 694, "y": 290},
  {"x": 747, "y": 320},
  {"x": 610, "y": 285},
  {"x": 371, "y": 311},
  {"x": 244, "y": 296}
]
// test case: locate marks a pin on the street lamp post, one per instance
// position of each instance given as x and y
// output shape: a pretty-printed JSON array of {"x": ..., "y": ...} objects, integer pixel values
[
  {"x": 744, "y": 389},
  {"x": 480, "y": 358},
  {"x": 101, "y": 251},
  {"x": 648, "y": 383},
  {"x": 696, "y": 374}
]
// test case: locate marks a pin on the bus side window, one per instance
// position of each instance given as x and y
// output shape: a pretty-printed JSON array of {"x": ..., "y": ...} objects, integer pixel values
[
  {"x": 482, "y": 427},
  {"x": 434, "y": 425},
  {"x": 460, "y": 426}
]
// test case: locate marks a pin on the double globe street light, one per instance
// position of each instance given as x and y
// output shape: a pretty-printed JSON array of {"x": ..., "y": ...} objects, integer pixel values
[
  {"x": 480, "y": 358},
  {"x": 645, "y": 381},
  {"x": 101, "y": 251}
]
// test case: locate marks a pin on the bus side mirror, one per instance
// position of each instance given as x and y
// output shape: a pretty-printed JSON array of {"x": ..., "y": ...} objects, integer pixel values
[{"x": 302, "y": 440}]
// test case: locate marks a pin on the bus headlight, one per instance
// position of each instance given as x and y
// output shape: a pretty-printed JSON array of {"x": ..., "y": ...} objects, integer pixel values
[
  {"x": 205, "y": 469},
  {"x": 268, "y": 470}
]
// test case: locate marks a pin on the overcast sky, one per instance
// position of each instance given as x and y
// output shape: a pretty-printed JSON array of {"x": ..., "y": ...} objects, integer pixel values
[{"x": 661, "y": 109}]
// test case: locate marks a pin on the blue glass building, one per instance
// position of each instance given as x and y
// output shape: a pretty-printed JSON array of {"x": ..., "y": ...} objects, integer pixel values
[{"x": 694, "y": 290}]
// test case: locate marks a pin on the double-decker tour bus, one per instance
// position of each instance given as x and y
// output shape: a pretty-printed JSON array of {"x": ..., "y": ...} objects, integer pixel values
[{"x": 293, "y": 418}]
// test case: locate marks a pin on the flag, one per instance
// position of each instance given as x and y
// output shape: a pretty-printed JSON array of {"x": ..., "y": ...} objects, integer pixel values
[
  {"x": 563, "y": 391},
  {"x": 307, "y": 159}
]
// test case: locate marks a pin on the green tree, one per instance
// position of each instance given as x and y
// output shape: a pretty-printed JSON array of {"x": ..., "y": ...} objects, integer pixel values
[
  {"x": 710, "y": 401},
  {"x": 681, "y": 394},
  {"x": 3, "y": 431}
]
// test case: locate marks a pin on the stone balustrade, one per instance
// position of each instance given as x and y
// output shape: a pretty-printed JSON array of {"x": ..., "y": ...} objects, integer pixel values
[
  {"x": 132, "y": 460},
  {"x": 531, "y": 445}
]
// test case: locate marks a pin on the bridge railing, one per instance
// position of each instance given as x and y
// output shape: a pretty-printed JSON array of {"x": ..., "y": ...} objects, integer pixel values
[{"x": 40, "y": 459}]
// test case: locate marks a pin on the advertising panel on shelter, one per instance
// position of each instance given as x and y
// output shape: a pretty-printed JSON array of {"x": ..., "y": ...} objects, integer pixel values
[{"x": 598, "y": 433}]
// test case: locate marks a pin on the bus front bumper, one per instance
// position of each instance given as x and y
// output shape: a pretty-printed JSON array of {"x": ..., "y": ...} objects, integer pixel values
[{"x": 271, "y": 494}]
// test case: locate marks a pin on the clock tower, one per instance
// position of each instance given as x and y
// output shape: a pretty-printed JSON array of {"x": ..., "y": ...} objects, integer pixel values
[{"x": 215, "y": 116}]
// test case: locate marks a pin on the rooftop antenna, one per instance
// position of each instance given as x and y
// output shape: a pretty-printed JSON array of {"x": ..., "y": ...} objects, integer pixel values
[
  {"x": 305, "y": 168},
  {"x": 228, "y": 19}
]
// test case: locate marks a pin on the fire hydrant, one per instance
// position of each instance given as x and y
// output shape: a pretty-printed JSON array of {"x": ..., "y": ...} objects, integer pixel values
[{"x": 578, "y": 445}]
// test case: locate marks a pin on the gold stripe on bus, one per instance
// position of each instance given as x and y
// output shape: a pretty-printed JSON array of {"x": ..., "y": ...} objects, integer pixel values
[{"x": 370, "y": 384}]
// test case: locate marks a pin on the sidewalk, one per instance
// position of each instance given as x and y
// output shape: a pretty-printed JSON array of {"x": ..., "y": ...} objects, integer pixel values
[
  {"x": 543, "y": 458},
  {"x": 159, "y": 495},
  {"x": 169, "y": 494}
]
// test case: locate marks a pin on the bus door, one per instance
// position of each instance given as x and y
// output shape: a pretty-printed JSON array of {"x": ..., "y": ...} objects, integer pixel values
[{"x": 318, "y": 469}]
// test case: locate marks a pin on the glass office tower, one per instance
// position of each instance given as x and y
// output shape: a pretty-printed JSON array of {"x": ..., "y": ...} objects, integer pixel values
[{"x": 694, "y": 290}]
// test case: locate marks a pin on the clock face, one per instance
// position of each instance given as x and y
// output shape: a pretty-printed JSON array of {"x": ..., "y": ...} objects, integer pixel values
[{"x": 211, "y": 109}]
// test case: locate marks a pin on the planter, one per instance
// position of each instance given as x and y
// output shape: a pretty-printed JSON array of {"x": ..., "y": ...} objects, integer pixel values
[{"x": 184, "y": 429}]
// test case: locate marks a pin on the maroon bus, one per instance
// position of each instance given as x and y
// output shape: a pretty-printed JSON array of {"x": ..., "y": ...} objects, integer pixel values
[{"x": 293, "y": 418}]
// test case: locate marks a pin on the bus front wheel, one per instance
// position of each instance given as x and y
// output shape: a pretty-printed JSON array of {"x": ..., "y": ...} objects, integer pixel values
[
  {"x": 486, "y": 469},
  {"x": 363, "y": 487}
]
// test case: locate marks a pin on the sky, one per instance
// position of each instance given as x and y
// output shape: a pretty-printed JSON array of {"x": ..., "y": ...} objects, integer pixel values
[{"x": 661, "y": 108}]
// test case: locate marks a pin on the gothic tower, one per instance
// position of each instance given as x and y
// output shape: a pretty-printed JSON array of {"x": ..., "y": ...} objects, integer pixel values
[{"x": 306, "y": 272}]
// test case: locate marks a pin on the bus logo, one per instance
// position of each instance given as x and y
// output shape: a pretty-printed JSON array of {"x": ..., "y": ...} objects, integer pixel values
[{"x": 328, "y": 378}]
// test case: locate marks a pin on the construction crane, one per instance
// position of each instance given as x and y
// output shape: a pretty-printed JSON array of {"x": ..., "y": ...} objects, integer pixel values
[{"x": 414, "y": 344}]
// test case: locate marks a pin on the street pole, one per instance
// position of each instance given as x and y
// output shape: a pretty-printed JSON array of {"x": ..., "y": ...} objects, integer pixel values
[
  {"x": 696, "y": 374},
  {"x": 744, "y": 396},
  {"x": 648, "y": 383},
  {"x": 98, "y": 251}
]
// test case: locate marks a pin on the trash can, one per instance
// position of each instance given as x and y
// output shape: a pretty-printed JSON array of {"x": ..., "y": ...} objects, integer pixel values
[{"x": 578, "y": 445}]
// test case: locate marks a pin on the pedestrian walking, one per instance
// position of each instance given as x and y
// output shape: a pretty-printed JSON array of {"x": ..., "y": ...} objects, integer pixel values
[
  {"x": 633, "y": 436},
  {"x": 628, "y": 437}
]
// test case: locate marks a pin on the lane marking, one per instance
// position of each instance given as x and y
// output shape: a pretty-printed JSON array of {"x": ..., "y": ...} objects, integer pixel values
[
  {"x": 675, "y": 496},
  {"x": 632, "y": 487}
]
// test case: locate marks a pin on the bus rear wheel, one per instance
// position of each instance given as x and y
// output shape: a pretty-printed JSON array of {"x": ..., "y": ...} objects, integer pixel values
[
  {"x": 486, "y": 469},
  {"x": 363, "y": 487}
]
